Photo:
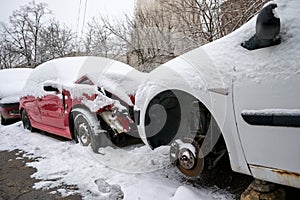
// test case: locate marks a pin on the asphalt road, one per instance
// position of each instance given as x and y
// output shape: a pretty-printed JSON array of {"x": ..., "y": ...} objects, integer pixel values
[{"x": 16, "y": 183}]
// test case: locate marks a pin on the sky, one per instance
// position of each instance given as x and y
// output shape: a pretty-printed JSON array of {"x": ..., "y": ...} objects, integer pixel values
[{"x": 71, "y": 12}]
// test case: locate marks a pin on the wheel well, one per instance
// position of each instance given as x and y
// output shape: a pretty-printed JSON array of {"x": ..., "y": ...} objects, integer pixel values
[{"x": 184, "y": 117}]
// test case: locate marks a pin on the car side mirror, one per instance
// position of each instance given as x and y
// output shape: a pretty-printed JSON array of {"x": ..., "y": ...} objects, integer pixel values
[
  {"x": 267, "y": 29},
  {"x": 51, "y": 87}
]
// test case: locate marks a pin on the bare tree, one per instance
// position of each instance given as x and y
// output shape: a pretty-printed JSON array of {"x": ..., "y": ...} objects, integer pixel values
[
  {"x": 7, "y": 58},
  {"x": 23, "y": 35},
  {"x": 100, "y": 41},
  {"x": 32, "y": 37},
  {"x": 55, "y": 41},
  {"x": 154, "y": 40},
  {"x": 206, "y": 20}
]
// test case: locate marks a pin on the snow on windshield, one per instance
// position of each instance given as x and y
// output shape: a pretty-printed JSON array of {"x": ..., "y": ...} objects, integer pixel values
[{"x": 12, "y": 82}]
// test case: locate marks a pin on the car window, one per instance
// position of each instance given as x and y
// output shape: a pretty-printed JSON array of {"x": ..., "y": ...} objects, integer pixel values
[{"x": 85, "y": 81}]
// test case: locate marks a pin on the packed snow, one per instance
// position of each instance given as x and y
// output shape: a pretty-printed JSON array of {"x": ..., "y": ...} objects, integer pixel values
[{"x": 135, "y": 172}]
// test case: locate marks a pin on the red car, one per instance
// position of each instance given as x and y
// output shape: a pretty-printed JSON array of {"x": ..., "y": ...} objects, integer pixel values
[
  {"x": 63, "y": 97},
  {"x": 11, "y": 84}
]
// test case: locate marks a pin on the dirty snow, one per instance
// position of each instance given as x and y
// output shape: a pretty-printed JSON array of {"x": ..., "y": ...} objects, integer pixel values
[{"x": 135, "y": 171}]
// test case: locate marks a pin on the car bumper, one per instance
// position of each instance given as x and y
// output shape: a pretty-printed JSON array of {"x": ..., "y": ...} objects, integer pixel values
[{"x": 10, "y": 110}]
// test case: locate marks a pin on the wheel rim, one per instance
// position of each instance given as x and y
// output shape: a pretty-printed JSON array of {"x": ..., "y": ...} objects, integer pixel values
[{"x": 82, "y": 130}]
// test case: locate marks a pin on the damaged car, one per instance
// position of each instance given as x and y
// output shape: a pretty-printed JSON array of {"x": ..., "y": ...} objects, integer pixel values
[
  {"x": 63, "y": 97},
  {"x": 237, "y": 96}
]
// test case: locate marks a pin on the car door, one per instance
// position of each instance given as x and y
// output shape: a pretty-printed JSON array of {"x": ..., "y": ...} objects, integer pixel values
[
  {"x": 30, "y": 104},
  {"x": 51, "y": 107},
  {"x": 267, "y": 108}
]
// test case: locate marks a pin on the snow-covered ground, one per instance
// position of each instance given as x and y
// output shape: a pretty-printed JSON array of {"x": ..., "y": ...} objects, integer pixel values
[{"x": 136, "y": 172}]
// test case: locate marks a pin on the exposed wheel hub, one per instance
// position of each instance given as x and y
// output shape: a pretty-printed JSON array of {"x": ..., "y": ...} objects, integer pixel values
[
  {"x": 186, "y": 155},
  {"x": 83, "y": 133},
  {"x": 186, "y": 158},
  {"x": 82, "y": 130}
]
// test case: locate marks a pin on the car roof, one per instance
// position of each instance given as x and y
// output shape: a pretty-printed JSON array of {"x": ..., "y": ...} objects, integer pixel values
[{"x": 67, "y": 71}]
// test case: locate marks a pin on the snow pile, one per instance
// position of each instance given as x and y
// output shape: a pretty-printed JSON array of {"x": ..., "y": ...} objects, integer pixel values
[
  {"x": 12, "y": 82},
  {"x": 135, "y": 172}
]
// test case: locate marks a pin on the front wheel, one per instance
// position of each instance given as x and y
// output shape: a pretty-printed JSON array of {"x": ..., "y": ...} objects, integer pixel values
[
  {"x": 26, "y": 121},
  {"x": 3, "y": 120},
  {"x": 82, "y": 129},
  {"x": 88, "y": 131}
]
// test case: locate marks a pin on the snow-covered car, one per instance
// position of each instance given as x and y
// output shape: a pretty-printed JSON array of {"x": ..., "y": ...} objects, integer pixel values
[
  {"x": 64, "y": 97},
  {"x": 236, "y": 96},
  {"x": 12, "y": 82}
]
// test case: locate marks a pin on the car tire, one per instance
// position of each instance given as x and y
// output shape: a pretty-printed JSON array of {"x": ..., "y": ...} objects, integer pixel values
[
  {"x": 87, "y": 130},
  {"x": 26, "y": 121},
  {"x": 3, "y": 121}
]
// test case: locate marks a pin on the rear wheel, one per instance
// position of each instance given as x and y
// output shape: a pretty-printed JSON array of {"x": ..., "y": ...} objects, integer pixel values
[
  {"x": 88, "y": 131},
  {"x": 26, "y": 121}
]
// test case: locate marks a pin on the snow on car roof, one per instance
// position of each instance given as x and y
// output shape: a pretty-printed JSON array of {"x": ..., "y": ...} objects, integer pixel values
[
  {"x": 12, "y": 82},
  {"x": 65, "y": 71}
]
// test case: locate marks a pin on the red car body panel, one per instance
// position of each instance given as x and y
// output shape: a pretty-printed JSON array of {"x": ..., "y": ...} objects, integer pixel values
[{"x": 51, "y": 113}]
